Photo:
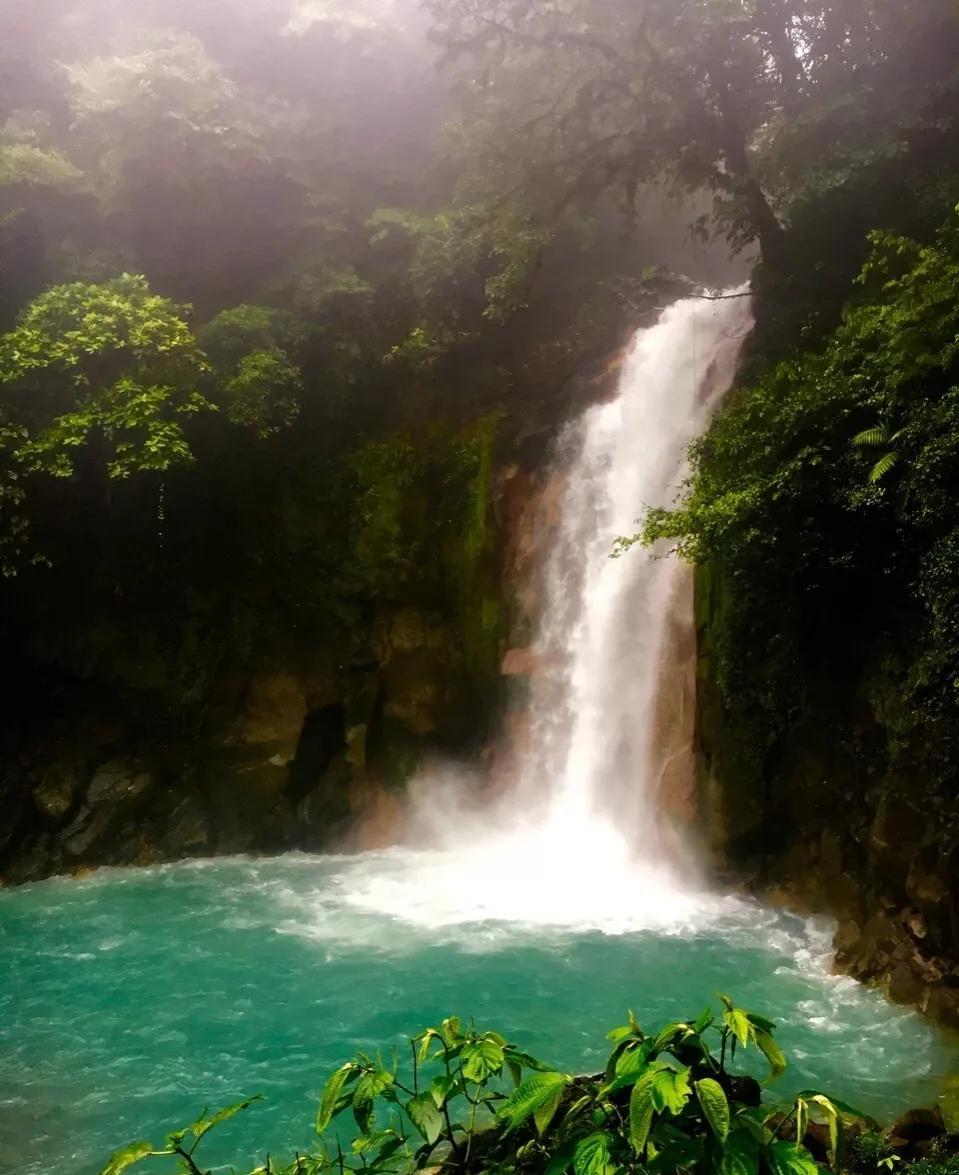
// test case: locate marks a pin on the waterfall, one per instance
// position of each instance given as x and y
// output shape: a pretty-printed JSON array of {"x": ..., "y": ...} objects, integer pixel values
[
  {"x": 582, "y": 834},
  {"x": 612, "y": 695}
]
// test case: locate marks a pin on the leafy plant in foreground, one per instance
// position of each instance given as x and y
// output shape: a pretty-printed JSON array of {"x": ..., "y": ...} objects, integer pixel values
[{"x": 471, "y": 1101}]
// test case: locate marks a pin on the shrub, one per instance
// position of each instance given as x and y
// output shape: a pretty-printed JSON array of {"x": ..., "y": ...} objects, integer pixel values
[{"x": 472, "y": 1101}]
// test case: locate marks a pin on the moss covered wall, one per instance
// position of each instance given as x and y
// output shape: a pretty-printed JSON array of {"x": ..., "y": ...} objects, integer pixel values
[
  {"x": 830, "y": 817},
  {"x": 301, "y": 741}
]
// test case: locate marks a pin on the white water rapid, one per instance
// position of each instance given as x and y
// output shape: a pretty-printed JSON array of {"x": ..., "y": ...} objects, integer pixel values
[{"x": 584, "y": 835}]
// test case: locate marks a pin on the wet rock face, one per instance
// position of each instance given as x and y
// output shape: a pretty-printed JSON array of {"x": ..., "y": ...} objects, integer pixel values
[
  {"x": 828, "y": 825},
  {"x": 306, "y": 756}
]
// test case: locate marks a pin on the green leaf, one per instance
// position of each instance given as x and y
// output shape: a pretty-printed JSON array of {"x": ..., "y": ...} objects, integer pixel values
[
  {"x": 516, "y": 1056},
  {"x": 641, "y": 1110},
  {"x": 844, "y": 1107},
  {"x": 441, "y": 1088},
  {"x": 835, "y": 1124},
  {"x": 369, "y": 1087},
  {"x": 740, "y": 1155},
  {"x": 737, "y": 1022},
  {"x": 425, "y": 1041},
  {"x": 121, "y": 1159},
  {"x": 200, "y": 1127},
  {"x": 425, "y": 1116},
  {"x": 451, "y": 1031},
  {"x": 771, "y": 1051},
  {"x": 630, "y": 1066},
  {"x": 678, "y": 1028},
  {"x": 534, "y": 1093},
  {"x": 331, "y": 1095},
  {"x": 882, "y": 467},
  {"x": 760, "y": 1022},
  {"x": 544, "y": 1115},
  {"x": 592, "y": 1155},
  {"x": 670, "y": 1090},
  {"x": 870, "y": 438},
  {"x": 481, "y": 1060},
  {"x": 712, "y": 1098},
  {"x": 703, "y": 1020},
  {"x": 789, "y": 1158}
]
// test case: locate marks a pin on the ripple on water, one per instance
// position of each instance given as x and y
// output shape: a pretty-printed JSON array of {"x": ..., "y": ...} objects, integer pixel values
[{"x": 129, "y": 1000}]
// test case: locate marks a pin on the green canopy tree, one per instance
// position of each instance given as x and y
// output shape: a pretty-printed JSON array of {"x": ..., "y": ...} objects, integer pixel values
[
  {"x": 96, "y": 380},
  {"x": 566, "y": 101}
]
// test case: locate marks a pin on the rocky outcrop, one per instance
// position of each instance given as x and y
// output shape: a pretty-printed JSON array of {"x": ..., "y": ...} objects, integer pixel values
[
  {"x": 824, "y": 823},
  {"x": 299, "y": 755}
]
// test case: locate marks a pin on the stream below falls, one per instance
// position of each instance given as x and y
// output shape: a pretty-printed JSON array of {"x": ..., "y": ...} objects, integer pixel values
[{"x": 132, "y": 999}]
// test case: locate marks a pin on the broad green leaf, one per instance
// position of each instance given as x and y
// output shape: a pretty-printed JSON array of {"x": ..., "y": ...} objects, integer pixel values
[
  {"x": 122, "y": 1159},
  {"x": 425, "y": 1041},
  {"x": 451, "y": 1031},
  {"x": 844, "y": 1108},
  {"x": 481, "y": 1060},
  {"x": 576, "y": 1108},
  {"x": 678, "y": 1029},
  {"x": 331, "y": 1095},
  {"x": 368, "y": 1088},
  {"x": 712, "y": 1098},
  {"x": 882, "y": 467},
  {"x": 518, "y": 1057},
  {"x": 202, "y": 1125},
  {"x": 425, "y": 1116},
  {"x": 630, "y": 1066},
  {"x": 641, "y": 1110},
  {"x": 617, "y": 1035},
  {"x": 703, "y": 1020},
  {"x": 802, "y": 1118},
  {"x": 441, "y": 1088},
  {"x": 592, "y": 1155},
  {"x": 544, "y": 1114},
  {"x": 526, "y": 1099},
  {"x": 670, "y": 1090},
  {"x": 835, "y": 1124},
  {"x": 771, "y": 1051},
  {"x": 737, "y": 1022},
  {"x": 760, "y": 1022},
  {"x": 740, "y": 1155},
  {"x": 789, "y": 1158},
  {"x": 871, "y": 438}
]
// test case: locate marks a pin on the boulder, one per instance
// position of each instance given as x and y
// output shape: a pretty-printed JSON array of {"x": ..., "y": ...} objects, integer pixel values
[
  {"x": 914, "y": 1128},
  {"x": 905, "y": 985},
  {"x": 518, "y": 663},
  {"x": 186, "y": 830},
  {"x": 942, "y": 1005},
  {"x": 54, "y": 795},
  {"x": 273, "y": 715},
  {"x": 87, "y": 829},
  {"x": 117, "y": 781}
]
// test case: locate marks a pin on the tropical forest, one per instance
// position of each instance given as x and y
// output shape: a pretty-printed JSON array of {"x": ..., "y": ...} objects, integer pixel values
[{"x": 479, "y": 587}]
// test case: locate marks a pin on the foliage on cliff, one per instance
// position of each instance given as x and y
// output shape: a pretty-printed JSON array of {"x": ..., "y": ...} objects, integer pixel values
[{"x": 826, "y": 497}]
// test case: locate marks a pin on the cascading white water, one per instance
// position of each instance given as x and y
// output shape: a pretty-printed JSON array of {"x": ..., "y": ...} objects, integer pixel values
[
  {"x": 611, "y": 629},
  {"x": 578, "y": 837}
]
